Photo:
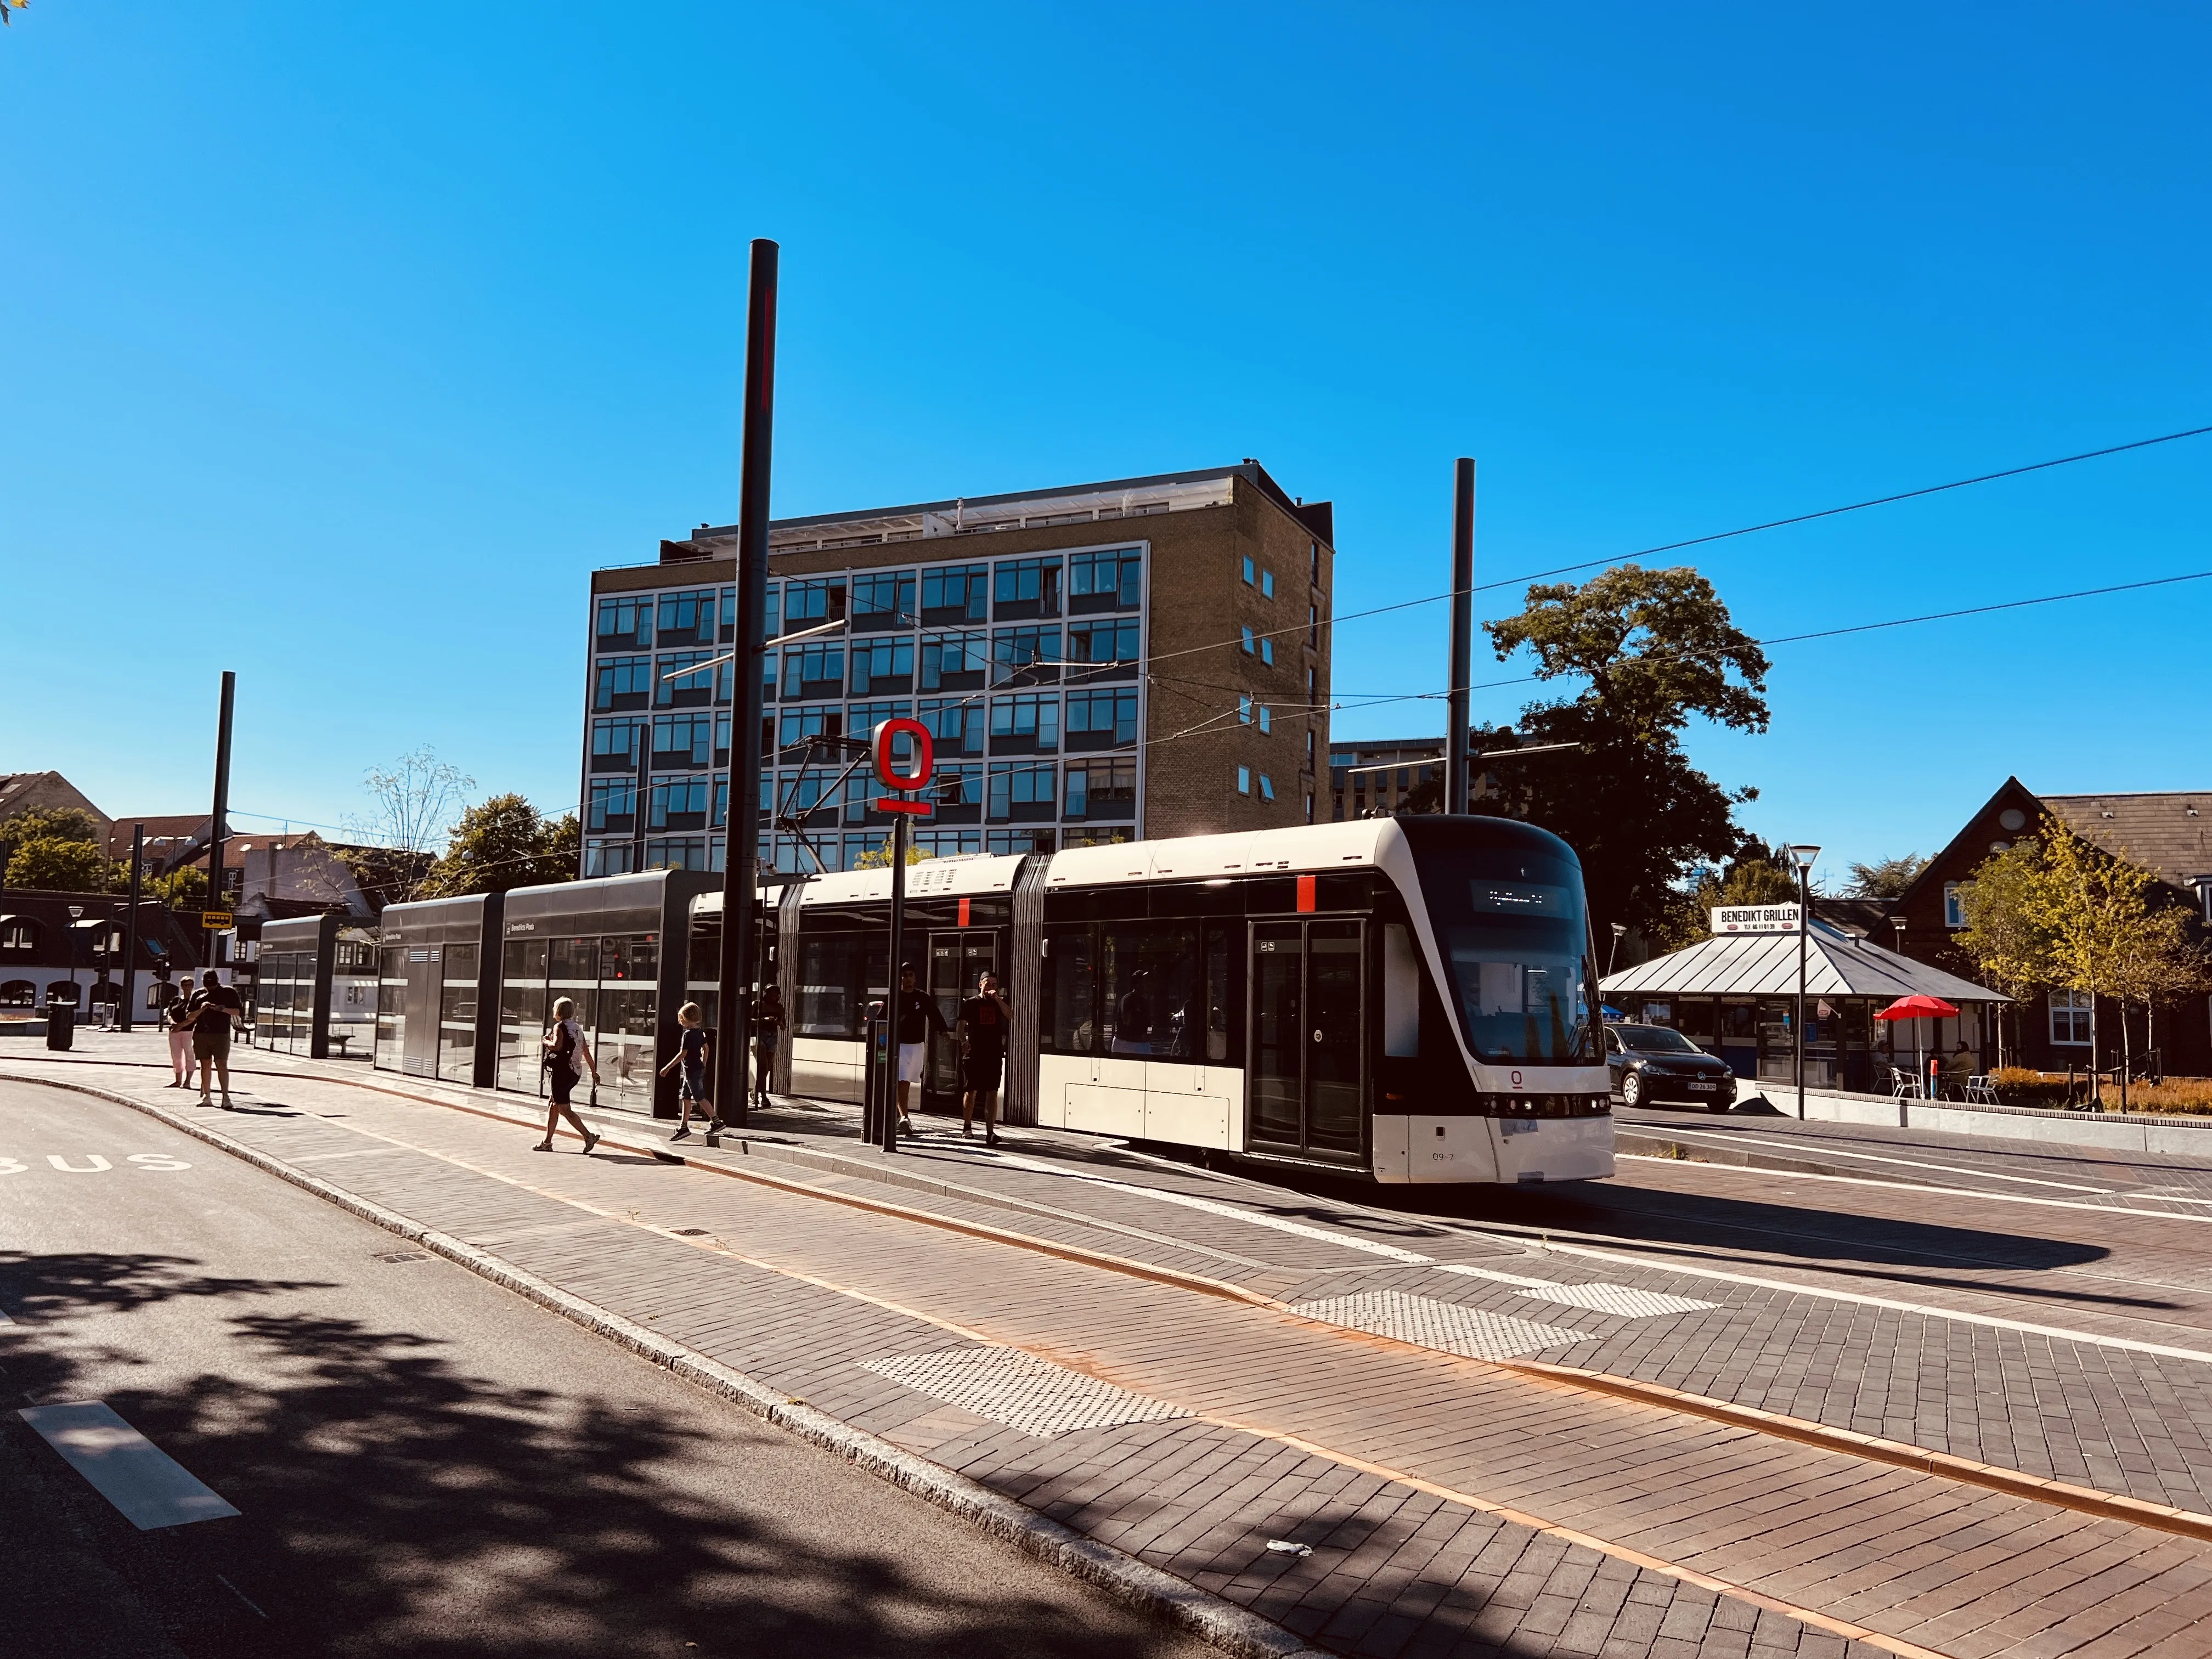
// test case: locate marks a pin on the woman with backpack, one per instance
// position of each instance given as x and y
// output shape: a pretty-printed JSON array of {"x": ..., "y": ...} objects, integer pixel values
[{"x": 564, "y": 1048}]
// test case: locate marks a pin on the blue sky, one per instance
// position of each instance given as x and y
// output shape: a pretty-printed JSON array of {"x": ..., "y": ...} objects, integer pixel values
[{"x": 340, "y": 343}]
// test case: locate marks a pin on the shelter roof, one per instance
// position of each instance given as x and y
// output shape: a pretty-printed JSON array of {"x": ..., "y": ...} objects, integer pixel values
[{"x": 1765, "y": 964}]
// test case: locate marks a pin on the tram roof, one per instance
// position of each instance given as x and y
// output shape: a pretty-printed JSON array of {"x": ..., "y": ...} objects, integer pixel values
[{"x": 1837, "y": 965}]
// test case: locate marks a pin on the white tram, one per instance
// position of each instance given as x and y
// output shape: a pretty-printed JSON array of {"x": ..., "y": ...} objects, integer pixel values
[{"x": 1410, "y": 999}]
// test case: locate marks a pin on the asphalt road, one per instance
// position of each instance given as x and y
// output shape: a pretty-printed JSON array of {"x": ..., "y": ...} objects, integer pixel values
[{"x": 424, "y": 1463}]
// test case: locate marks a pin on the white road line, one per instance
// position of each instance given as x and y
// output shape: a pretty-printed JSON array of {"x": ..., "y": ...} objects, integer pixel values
[
  {"x": 1211, "y": 1206},
  {"x": 1941, "y": 1192},
  {"x": 1990, "y": 1321},
  {"x": 149, "y": 1487},
  {"x": 1873, "y": 1158}
]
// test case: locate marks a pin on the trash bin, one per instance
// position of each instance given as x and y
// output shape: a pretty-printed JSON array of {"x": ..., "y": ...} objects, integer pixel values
[{"x": 61, "y": 1024}]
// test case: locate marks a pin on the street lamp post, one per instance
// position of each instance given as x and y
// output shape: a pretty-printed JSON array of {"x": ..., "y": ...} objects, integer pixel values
[{"x": 1802, "y": 856}]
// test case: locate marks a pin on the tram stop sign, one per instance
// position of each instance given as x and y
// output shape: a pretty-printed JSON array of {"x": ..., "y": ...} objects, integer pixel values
[{"x": 915, "y": 775}]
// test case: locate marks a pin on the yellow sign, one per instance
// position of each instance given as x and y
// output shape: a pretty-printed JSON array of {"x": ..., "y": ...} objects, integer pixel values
[{"x": 215, "y": 921}]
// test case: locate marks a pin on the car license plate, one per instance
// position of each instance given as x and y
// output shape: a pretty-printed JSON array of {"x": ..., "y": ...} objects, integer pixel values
[{"x": 1707, "y": 1087}]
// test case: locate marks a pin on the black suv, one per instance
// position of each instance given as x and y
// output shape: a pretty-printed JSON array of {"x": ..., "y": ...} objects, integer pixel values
[{"x": 1652, "y": 1064}]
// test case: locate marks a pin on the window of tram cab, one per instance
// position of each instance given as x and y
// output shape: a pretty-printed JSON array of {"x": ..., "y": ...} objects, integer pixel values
[{"x": 1516, "y": 942}]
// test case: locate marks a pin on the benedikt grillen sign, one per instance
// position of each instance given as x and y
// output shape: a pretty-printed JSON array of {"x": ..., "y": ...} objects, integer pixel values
[{"x": 1756, "y": 919}]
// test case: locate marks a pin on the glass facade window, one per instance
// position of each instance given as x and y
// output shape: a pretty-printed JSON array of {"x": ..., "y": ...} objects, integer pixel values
[
  {"x": 677, "y": 852},
  {"x": 1244, "y": 638},
  {"x": 775, "y": 625},
  {"x": 956, "y": 725},
  {"x": 678, "y": 803},
  {"x": 1033, "y": 653},
  {"x": 1006, "y": 843},
  {"x": 1244, "y": 708},
  {"x": 949, "y": 844},
  {"x": 1268, "y": 652},
  {"x": 864, "y": 717},
  {"x": 613, "y": 806},
  {"x": 1267, "y": 718},
  {"x": 1250, "y": 570},
  {"x": 1108, "y": 645},
  {"x": 1025, "y": 724},
  {"x": 1243, "y": 779},
  {"x": 622, "y": 683},
  {"x": 1266, "y": 787},
  {"x": 883, "y": 600},
  {"x": 1023, "y": 791},
  {"x": 727, "y": 634},
  {"x": 880, "y": 665},
  {"x": 1101, "y": 719},
  {"x": 801, "y": 795},
  {"x": 955, "y": 662},
  {"x": 956, "y": 793},
  {"x": 625, "y": 624},
  {"x": 955, "y": 593},
  {"x": 609, "y": 857},
  {"x": 1026, "y": 588},
  {"x": 1097, "y": 834},
  {"x": 795, "y": 726},
  {"x": 1108, "y": 581},
  {"x": 1267, "y": 584},
  {"x": 690, "y": 618},
  {"x": 807, "y": 603},
  {"x": 1103, "y": 789},
  {"x": 682, "y": 681},
  {"x": 614, "y": 744},
  {"x": 814, "y": 671},
  {"x": 684, "y": 739}
]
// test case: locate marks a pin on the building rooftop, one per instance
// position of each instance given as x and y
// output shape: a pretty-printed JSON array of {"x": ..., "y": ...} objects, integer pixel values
[
  {"x": 2168, "y": 833},
  {"x": 1765, "y": 964},
  {"x": 1115, "y": 498}
]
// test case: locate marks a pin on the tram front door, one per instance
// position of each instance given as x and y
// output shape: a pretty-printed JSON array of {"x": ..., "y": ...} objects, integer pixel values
[
  {"x": 1306, "y": 1069},
  {"x": 956, "y": 961}
]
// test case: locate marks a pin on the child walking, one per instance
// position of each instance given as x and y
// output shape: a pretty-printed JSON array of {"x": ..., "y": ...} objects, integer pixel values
[{"x": 693, "y": 1052}]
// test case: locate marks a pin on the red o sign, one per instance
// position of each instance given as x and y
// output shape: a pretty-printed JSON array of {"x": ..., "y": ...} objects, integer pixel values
[{"x": 925, "y": 755}]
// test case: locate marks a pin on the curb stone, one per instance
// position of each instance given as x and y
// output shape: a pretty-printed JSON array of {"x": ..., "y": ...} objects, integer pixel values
[{"x": 1213, "y": 1618}]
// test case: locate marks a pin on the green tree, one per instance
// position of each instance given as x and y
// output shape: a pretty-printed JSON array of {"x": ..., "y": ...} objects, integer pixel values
[
  {"x": 1886, "y": 879},
  {"x": 61, "y": 823},
  {"x": 61, "y": 866},
  {"x": 1655, "y": 648},
  {"x": 880, "y": 858},
  {"x": 502, "y": 843}
]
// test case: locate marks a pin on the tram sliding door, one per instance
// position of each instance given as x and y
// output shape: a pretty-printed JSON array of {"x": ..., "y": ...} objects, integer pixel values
[
  {"x": 956, "y": 961},
  {"x": 1306, "y": 1072}
]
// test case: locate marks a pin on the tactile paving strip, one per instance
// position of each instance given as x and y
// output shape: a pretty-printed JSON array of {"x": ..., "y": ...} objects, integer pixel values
[
  {"x": 1446, "y": 1326},
  {"x": 1020, "y": 1390},
  {"x": 1623, "y": 1299}
]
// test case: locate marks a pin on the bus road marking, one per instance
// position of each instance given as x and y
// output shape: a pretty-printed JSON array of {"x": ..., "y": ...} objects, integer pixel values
[{"x": 150, "y": 1487}]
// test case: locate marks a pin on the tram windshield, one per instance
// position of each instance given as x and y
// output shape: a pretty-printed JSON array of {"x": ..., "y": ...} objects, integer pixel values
[{"x": 1510, "y": 923}]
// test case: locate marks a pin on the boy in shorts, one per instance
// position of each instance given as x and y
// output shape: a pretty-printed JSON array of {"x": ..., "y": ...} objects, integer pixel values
[{"x": 692, "y": 1053}]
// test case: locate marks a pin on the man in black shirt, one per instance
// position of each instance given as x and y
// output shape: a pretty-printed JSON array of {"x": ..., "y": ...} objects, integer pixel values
[
  {"x": 917, "y": 1017},
  {"x": 209, "y": 1013},
  {"x": 985, "y": 1022}
]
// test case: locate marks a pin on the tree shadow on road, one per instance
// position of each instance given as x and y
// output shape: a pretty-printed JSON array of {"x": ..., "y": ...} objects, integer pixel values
[{"x": 395, "y": 1504}]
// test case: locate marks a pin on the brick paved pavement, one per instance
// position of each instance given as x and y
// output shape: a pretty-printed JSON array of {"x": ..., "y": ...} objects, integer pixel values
[{"x": 1296, "y": 1431}]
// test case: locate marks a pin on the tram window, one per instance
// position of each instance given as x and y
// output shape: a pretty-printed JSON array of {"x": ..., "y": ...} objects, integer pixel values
[
  {"x": 1070, "y": 984},
  {"x": 1218, "y": 1022},
  {"x": 1514, "y": 941},
  {"x": 1151, "y": 975},
  {"x": 829, "y": 986},
  {"x": 1402, "y": 993}
]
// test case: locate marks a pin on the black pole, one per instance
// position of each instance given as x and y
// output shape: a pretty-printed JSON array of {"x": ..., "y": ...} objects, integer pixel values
[
  {"x": 899, "y": 831},
  {"x": 741, "y": 819},
  {"x": 219, "y": 820},
  {"x": 131, "y": 923},
  {"x": 1458, "y": 786},
  {"x": 1804, "y": 932}
]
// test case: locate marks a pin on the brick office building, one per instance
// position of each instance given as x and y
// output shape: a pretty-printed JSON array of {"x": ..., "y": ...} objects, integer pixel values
[{"x": 1136, "y": 658}]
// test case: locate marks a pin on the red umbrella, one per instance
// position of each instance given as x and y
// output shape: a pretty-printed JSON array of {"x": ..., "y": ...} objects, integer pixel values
[{"x": 1918, "y": 1007}]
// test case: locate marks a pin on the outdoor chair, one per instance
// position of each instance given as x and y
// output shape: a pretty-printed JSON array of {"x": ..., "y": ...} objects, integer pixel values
[
  {"x": 1980, "y": 1091},
  {"x": 1903, "y": 1085}
]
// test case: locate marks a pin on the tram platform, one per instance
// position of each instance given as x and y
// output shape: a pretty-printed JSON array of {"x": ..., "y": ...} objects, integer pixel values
[{"x": 1193, "y": 1368}]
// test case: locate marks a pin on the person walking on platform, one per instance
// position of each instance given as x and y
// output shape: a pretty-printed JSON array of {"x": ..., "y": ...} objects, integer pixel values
[
  {"x": 768, "y": 1020},
  {"x": 176, "y": 1016},
  {"x": 917, "y": 1017},
  {"x": 564, "y": 1047},
  {"x": 209, "y": 1013},
  {"x": 694, "y": 1052},
  {"x": 985, "y": 1023}
]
